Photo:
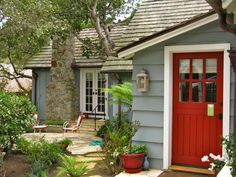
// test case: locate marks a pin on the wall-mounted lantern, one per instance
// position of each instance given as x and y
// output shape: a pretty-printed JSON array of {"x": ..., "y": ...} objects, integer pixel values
[{"x": 143, "y": 81}]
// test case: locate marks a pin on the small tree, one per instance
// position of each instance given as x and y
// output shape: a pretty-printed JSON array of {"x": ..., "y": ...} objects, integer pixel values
[
  {"x": 15, "y": 118},
  {"x": 122, "y": 95}
]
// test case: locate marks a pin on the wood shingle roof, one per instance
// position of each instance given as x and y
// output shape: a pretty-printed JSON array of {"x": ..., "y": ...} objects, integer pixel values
[
  {"x": 154, "y": 16},
  {"x": 43, "y": 58}
]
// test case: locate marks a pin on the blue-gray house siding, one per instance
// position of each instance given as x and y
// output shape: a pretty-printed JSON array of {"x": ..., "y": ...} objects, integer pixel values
[{"x": 148, "y": 107}]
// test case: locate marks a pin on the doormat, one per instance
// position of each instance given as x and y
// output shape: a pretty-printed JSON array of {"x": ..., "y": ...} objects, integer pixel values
[{"x": 182, "y": 174}]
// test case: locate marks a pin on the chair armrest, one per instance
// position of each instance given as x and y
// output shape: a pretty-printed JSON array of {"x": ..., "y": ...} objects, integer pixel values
[{"x": 65, "y": 124}]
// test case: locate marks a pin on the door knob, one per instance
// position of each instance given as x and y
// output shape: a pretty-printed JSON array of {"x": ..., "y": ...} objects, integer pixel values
[{"x": 220, "y": 116}]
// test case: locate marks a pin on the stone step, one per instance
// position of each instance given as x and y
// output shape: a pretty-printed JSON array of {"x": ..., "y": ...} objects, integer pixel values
[{"x": 87, "y": 131}]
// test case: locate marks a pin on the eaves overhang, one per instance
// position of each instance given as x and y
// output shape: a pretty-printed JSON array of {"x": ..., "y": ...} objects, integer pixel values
[{"x": 167, "y": 34}]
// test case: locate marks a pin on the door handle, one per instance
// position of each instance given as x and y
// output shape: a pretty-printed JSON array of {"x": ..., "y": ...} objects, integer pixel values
[{"x": 220, "y": 116}]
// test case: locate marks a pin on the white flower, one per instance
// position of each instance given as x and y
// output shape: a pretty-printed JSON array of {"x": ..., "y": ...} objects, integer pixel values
[
  {"x": 205, "y": 158},
  {"x": 111, "y": 163},
  {"x": 213, "y": 156}
]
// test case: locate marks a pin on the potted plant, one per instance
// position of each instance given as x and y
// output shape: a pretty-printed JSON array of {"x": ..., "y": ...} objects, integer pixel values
[
  {"x": 64, "y": 143},
  {"x": 132, "y": 158}
]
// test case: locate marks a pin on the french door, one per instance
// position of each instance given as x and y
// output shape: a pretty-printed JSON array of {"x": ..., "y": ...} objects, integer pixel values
[
  {"x": 197, "y": 106},
  {"x": 92, "y": 96}
]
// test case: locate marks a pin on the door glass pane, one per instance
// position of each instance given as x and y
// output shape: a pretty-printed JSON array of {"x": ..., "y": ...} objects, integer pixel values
[
  {"x": 89, "y": 91},
  {"x": 210, "y": 91},
  {"x": 184, "y": 91},
  {"x": 101, "y": 83},
  {"x": 197, "y": 67},
  {"x": 197, "y": 92},
  {"x": 211, "y": 68},
  {"x": 184, "y": 68}
]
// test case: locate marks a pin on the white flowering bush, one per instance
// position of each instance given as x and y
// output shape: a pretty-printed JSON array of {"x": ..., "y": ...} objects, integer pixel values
[{"x": 217, "y": 162}]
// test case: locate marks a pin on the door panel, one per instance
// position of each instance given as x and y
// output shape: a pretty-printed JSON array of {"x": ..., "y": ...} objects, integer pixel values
[
  {"x": 197, "y": 87},
  {"x": 92, "y": 83}
]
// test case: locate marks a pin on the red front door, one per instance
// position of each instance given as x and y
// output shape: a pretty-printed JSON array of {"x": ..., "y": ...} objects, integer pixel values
[{"x": 197, "y": 106}]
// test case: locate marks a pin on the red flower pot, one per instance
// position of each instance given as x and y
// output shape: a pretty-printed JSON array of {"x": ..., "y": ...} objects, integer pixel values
[{"x": 132, "y": 163}]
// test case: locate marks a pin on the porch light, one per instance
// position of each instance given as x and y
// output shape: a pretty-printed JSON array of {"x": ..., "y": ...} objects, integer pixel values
[{"x": 143, "y": 81}]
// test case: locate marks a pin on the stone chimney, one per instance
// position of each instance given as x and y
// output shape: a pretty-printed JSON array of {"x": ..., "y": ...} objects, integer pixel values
[{"x": 62, "y": 94}]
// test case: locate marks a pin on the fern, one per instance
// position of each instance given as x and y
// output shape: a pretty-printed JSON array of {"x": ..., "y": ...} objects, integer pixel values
[{"x": 69, "y": 167}]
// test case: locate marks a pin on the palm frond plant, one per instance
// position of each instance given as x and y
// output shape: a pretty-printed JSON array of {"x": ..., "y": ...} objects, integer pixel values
[
  {"x": 69, "y": 166},
  {"x": 121, "y": 94}
]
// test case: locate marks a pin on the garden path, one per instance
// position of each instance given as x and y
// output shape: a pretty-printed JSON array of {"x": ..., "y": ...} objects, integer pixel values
[{"x": 80, "y": 142}]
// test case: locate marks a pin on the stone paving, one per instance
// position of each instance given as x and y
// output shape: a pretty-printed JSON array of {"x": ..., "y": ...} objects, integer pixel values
[
  {"x": 80, "y": 142},
  {"x": 149, "y": 173}
]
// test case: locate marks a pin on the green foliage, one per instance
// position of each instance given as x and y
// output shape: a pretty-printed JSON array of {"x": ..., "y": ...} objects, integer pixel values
[
  {"x": 23, "y": 146},
  {"x": 65, "y": 141},
  {"x": 117, "y": 139},
  {"x": 38, "y": 169},
  {"x": 70, "y": 167},
  {"x": 15, "y": 117},
  {"x": 41, "y": 152},
  {"x": 121, "y": 94},
  {"x": 54, "y": 122},
  {"x": 27, "y": 26},
  {"x": 229, "y": 144},
  {"x": 136, "y": 149}
]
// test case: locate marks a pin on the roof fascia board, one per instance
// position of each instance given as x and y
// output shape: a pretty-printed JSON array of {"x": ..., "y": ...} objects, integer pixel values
[{"x": 166, "y": 36}]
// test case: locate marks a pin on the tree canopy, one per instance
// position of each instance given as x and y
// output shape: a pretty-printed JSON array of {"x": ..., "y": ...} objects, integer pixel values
[{"x": 27, "y": 25}]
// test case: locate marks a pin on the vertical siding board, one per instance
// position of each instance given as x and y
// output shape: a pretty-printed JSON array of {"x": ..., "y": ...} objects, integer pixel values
[
  {"x": 151, "y": 103},
  {"x": 42, "y": 80}
]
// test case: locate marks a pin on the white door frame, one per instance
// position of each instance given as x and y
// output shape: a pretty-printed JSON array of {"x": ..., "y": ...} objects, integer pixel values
[
  {"x": 168, "y": 91},
  {"x": 82, "y": 88}
]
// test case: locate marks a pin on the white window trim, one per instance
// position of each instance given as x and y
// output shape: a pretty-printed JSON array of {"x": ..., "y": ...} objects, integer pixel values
[
  {"x": 82, "y": 89},
  {"x": 168, "y": 89}
]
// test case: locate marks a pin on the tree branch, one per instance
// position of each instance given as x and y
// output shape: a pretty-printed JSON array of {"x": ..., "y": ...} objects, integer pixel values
[
  {"x": 14, "y": 67},
  {"x": 222, "y": 15},
  {"x": 98, "y": 28}
]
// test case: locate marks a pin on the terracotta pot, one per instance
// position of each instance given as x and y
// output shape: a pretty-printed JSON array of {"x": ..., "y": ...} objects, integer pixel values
[{"x": 132, "y": 163}]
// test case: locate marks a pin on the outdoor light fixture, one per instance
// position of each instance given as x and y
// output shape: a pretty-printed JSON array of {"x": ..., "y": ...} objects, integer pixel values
[{"x": 143, "y": 81}]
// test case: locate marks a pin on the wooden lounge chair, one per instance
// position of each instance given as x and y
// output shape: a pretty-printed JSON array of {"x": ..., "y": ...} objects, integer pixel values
[{"x": 71, "y": 126}]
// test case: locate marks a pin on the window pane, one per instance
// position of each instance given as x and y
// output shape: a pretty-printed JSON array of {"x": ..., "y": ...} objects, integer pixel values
[
  {"x": 197, "y": 66},
  {"x": 183, "y": 91},
  {"x": 184, "y": 69},
  {"x": 197, "y": 92},
  {"x": 211, "y": 68},
  {"x": 210, "y": 92}
]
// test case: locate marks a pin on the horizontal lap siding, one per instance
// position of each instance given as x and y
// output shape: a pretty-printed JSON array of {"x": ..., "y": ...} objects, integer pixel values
[{"x": 148, "y": 107}]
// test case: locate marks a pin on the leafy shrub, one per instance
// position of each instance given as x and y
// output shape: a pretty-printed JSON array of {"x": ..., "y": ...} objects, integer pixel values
[
  {"x": 15, "y": 117},
  {"x": 69, "y": 167},
  {"x": 42, "y": 151},
  {"x": 23, "y": 146}
]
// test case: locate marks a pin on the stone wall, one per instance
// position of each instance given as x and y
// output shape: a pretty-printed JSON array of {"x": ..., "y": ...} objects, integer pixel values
[{"x": 62, "y": 94}]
